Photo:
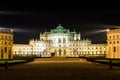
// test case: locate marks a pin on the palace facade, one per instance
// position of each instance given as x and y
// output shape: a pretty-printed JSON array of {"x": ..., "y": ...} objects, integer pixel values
[
  {"x": 6, "y": 44},
  {"x": 113, "y": 43},
  {"x": 60, "y": 42}
]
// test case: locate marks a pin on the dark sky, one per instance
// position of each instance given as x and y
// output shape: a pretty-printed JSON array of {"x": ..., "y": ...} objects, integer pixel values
[{"x": 29, "y": 19}]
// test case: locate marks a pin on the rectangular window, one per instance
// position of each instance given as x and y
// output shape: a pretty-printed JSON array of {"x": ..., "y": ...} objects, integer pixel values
[
  {"x": 59, "y": 40},
  {"x": 114, "y": 49},
  {"x": 2, "y": 54},
  {"x": 10, "y": 37},
  {"x": 104, "y": 52},
  {"x": 5, "y": 49},
  {"x": 9, "y": 54}
]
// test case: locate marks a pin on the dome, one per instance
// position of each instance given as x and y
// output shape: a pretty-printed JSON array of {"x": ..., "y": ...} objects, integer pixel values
[{"x": 59, "y": 26}]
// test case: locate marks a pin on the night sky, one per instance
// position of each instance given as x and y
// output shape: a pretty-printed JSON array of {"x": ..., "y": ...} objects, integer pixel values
[{"x": 29, "y": 19}]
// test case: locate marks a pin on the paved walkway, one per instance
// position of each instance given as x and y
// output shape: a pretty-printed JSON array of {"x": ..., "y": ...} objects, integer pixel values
[{"x": 78, "y": 69}]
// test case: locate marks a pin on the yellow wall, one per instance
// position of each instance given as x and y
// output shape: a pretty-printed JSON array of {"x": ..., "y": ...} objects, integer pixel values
[
  {"x": 6, "y": 42},
  {"x": 113, "y": 43}
]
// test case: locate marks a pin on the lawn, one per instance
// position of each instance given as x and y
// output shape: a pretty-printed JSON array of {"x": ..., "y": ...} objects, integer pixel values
[
  {"x": 12, "y": 61},
  {"x": 106, "y": 61}
]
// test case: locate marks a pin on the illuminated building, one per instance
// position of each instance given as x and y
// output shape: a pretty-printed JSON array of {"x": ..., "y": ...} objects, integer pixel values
[
  {"x": 6, "y": 43},
  {"x": 113, "y": 43},
  {"x": 61, "y": 42},
  {"x": 22, "y": 50}
]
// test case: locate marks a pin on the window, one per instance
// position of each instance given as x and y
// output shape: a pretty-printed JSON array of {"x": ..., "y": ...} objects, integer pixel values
[
  {"x": 64, "y": 52},
  {"x": 59, "y": 40},
  {"x": 15, "y": 52},
  {"x": 9, "y": 37},
  {"x": 92, "y": 52},
  {"x": 114, "y": 42},
  {"x": 64, "y": 40},
  {"x": 96, "y": 52},
  {"x": 2, "y": 54},
  {"x": 5, "y": 37},
  {"x": 54, "y": 40},
  {"x": 9, "y": 54},
  {"x": 110, "y": 37},
  {"x": 113, "y": 36},
  {"x": 59, "y": 45},
  {"x": 117, "y": 41},
  {"x": 2, "y": 37},
  {"x": 117, "y": 36},
  {"x": 76, "y": 44},
  {"x": 110, "y": 42},
  {"x": 5, "y": 43},
  {"x": 114, "y": 49},
  {"x": 5, "y": 49},
  {"x": 104, "y": 52},
  {"x": 60, "y": 51},
  {"x": 9, "y": 43}
]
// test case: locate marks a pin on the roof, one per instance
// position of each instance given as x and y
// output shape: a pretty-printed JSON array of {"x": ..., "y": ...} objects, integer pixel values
[{"x": 59, "y": 29}]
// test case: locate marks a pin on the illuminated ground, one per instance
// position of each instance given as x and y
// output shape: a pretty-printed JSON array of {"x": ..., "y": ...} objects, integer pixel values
[{"x": 77, "y": 69}]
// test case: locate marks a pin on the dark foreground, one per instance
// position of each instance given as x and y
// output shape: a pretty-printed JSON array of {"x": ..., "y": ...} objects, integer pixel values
[{"x": 78, "y": 69}]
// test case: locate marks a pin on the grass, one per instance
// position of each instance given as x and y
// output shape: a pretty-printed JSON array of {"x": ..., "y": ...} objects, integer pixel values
[
  {"x": 107, "y": 61},
  {"x": 12, "y": 61}
]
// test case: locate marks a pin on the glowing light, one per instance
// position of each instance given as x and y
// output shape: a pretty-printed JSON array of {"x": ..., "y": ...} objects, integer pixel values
[
  {"x": 97, "y": 31},
  {"x": 107, "y": 30}
]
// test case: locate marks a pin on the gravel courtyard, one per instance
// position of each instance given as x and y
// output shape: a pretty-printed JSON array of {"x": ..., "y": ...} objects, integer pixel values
[{"x": 78, "y": 69}]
